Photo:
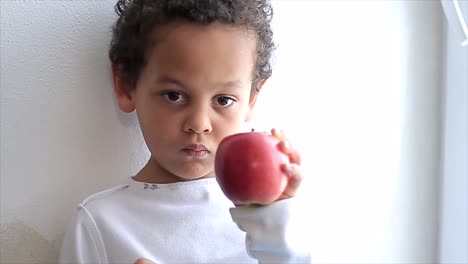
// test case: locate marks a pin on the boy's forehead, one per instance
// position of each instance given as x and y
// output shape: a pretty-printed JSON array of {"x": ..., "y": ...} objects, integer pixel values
[
  {"x": 191, "y": 51},
  {"x": 182, "y": 31}
]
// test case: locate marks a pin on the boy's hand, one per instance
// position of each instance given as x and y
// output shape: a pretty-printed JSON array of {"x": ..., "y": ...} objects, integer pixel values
[{"x": 292, "y": 169}]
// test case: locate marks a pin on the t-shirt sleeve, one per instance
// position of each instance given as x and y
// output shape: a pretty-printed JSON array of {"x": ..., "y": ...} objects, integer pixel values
[
  {"x": 275, "y": 233},
  {"x": 82, "y": 242}
]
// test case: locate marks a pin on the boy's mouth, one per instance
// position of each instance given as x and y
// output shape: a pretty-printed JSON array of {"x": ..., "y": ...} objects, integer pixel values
[
  {"x": 196, "y": 150},
  {"x": 196, "y": 147}
]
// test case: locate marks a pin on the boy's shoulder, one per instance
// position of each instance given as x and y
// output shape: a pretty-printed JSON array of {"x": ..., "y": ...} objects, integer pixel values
[{"x": 103, "y": 196}]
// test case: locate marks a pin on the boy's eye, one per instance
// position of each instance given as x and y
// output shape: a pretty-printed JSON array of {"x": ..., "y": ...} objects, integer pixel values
[
  {"x": 224, "y": 101},
  {"x": 173, "y": 96}
]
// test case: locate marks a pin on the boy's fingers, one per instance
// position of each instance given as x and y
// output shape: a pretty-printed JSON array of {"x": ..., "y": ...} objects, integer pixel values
[
  {"x": 294, "y": 157},
  {"x": 143, "y": 261},
  {"x": 292, "y": 153},
  {"x": 295, "y": 179},
  {"x": 278, "y": 134}
]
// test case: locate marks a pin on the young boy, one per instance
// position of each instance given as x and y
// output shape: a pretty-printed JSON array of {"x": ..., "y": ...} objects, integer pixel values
[{"x": 191, "y": 69}]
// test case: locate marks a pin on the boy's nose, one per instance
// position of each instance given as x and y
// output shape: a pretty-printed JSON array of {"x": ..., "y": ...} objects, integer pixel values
[{"x": 198, "y": 122}]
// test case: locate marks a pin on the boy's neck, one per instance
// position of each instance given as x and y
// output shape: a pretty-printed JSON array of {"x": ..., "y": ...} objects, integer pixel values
[{"x": 152, "y": 172}]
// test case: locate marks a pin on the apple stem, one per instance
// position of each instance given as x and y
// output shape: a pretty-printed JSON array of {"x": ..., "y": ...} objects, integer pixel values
[{"x": 252, "y": 130}]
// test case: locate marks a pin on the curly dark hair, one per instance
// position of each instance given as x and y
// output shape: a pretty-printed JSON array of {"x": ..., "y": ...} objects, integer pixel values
[{"x": 138, "y": 18}]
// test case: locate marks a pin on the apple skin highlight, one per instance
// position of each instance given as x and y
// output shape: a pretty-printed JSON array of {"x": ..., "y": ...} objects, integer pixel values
[{"x": 248, "y": 168}]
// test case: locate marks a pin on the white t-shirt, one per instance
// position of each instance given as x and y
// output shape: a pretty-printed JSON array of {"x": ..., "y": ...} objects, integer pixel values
[{"x": 184, "y": 222}]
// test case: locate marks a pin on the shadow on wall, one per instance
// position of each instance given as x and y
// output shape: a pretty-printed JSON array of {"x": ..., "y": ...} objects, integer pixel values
[{"x": 21, "y": 244}]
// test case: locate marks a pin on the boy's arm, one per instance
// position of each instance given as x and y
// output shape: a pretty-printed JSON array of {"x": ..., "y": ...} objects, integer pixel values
[
  {"x": 275, "y": 233},
  {"x": 82, "y": 243}
]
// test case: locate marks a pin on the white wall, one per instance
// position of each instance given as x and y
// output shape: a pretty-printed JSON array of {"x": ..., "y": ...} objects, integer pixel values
[
  {"x": 62, "y": 135},
  {"x": 454, "y": 183},
  {"x": 356, "y": 86}
]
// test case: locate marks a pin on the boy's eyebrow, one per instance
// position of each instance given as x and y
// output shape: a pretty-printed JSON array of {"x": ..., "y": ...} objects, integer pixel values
[
  {"x": 229, "y": 84},
  {"x": 167, "y": 79},
  {"x": 233, "y": 84}
]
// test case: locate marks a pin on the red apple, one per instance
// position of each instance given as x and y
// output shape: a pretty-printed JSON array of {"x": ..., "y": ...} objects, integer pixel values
[{"x": 248, "y": 168}]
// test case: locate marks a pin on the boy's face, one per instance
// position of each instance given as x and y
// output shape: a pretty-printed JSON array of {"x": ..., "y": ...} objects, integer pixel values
[{"x": 194, "y": 90}]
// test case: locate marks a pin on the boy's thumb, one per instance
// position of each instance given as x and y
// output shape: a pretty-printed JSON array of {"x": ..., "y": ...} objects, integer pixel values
[{"x": 143, "y": 261}]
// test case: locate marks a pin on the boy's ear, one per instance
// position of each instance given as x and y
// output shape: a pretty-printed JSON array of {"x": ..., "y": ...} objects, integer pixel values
[
  {"x": 253, "y": 99},
  {"x": 123, "y": 91}
]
